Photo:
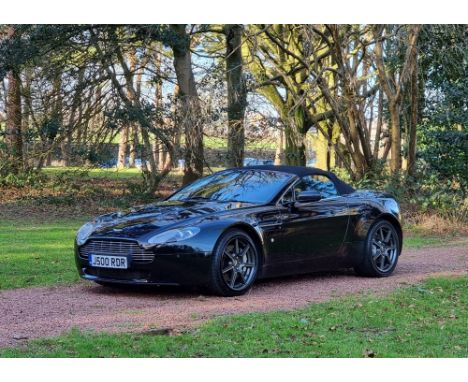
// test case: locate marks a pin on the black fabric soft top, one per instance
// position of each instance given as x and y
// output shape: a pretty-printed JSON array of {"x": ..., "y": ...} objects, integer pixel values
[{"x": 342, "y": 187}]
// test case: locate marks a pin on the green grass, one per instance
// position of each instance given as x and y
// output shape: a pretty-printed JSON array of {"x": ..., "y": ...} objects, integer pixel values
[
  {"x": 105, "y": 173},
  {"x": 116, "y": 174},
  {"x": 419, "y": 241},
  {"x": 36, "y": 253},
  {"x": 219, "y": 143},
  {"x": 427, "y": 320}
]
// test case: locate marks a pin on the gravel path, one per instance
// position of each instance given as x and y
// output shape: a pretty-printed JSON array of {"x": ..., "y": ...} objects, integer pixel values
[{"x": 41, "y": 312}]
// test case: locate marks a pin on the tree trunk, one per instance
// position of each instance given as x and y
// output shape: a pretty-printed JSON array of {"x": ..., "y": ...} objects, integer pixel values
[
  {"x": 133, "y": 146},
  {"x": 279, "y": 154},
  {"x": 393, "y": 87},
  {"x": 414, "y": 121},
  {"x": 378, "y": 130},
  {"x": 189, "y": 105},
  {"x": 395, "y": 160},
  {"x": 74, "y": 120},
  {"x": 295, "y": 148},
  {"x": 57, "y": 117},
  {"x": 28, "y": 150},
  {"x": 13, "y": 133},
  {"x": 295, "y": 132},
  {"x": 329, "y": 145},
  {"x": 147, "y": 156},
  {"x": 133, "y": 96},
  {"x": 236, "y": 94},
  {"x": 161, "y": 156},
  {"x": 155, "y": 148},
  {"x": 158, "y": 103},
  {"x": 122, "y": 148},
  {"x": 65, "y": 149}
]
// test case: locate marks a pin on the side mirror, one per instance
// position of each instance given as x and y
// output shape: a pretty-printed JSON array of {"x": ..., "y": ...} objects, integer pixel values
[{"x": 308, "y": 196}]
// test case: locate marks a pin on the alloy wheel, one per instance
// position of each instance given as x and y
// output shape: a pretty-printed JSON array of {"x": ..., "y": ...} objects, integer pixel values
[
  {"x": 384, "y": 249},
  {"x": 238, "y": 263}
]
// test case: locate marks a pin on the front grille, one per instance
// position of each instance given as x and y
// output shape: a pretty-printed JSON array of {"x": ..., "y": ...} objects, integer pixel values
[{"x": 116, "y": 248}]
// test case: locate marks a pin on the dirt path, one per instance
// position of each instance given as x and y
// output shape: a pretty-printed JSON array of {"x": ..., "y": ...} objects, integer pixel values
[{"x": 40, "y": 312}]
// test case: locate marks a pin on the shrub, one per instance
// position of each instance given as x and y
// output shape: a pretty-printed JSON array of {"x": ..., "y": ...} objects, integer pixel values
[
  {"x": 427, "y": 192},
  {"x": 26, "y": 178}
]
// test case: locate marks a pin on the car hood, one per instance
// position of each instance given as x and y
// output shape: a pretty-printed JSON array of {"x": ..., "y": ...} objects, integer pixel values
[{"x": 144, "y": 220}]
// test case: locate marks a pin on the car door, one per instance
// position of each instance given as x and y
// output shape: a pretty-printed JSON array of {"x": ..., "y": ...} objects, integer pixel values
[{"x": 313, "y": 233}]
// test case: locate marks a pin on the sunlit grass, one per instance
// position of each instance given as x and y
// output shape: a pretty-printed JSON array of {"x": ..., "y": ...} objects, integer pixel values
[
  {"x": 417, "y": 240},
  {"x": 114, "y": 173},
  {"x": 36, "y": 254},
  {"x": 219, "y": 143},
  {"x": 111, "y": 173}
]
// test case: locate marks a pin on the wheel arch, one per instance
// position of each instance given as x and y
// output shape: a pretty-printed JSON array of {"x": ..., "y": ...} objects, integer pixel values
[
  {"x": 257, "y": 239},
  {"x": 361, "y": 229}
]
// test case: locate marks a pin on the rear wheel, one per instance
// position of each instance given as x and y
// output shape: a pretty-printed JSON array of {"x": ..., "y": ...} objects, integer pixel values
[
  {"x": 235, "y": 264},
  {"x": 382, "y": 249}
]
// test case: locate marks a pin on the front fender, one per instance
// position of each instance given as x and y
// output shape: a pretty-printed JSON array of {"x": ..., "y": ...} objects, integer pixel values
[{"x": 210, "y": 232}]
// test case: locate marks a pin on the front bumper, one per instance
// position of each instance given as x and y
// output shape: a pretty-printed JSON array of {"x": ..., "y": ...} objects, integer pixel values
[{"x": 192, "y": 268}]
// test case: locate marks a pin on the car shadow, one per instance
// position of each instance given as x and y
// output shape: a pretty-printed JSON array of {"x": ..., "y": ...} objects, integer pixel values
[
  {"x": 182, "y": 292},
  {"x": 145, "y": 290},
  {"x": 307, "y": 276}
]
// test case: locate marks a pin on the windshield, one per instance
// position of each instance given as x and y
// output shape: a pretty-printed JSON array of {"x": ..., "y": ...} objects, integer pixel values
[{"x": 250, "y": 186}]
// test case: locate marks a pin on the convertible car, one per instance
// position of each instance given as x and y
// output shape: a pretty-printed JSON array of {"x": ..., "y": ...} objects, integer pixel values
[{"x": 228, "y": 229}]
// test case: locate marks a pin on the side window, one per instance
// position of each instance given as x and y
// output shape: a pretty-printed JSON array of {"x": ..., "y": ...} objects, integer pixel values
[{"x": 319, "y": 183}]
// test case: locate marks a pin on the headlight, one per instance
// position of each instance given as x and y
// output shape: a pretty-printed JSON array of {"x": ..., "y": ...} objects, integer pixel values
[
  {"x": 84, "y": 232},
  {"x": 174, "y": 235}
]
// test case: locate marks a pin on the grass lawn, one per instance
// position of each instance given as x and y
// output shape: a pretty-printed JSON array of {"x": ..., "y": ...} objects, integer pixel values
[
  {"x": 219, "y": 143},
  {"x": 426, "y": 320},
  {"x": 119, "y": 174},
  {"x": 104, "y": 173},
  {"x": 35, "y": 253},
  {"x": 420, "y": 241}
]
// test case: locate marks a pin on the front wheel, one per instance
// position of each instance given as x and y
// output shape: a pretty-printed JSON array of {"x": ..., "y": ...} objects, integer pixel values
[
  {"x": 382, "y": 249},
  {"x": 235, "y": 264}
]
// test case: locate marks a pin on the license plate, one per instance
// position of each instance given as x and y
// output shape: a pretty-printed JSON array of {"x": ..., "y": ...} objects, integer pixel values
[{"x": 100, "y": 261}]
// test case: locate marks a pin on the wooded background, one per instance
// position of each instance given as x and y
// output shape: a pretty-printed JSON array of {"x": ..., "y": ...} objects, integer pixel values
[{"x": 372, "y": 101}]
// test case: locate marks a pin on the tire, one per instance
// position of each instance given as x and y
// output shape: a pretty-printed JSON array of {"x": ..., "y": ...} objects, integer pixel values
[
  {"x": 239, "y": 262},
  {"x": 382, "y": 249}
]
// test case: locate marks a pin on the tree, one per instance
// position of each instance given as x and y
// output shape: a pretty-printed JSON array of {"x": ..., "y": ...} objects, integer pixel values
[
  {"x": 188, "y": 104},
  {"x": 392, "y": 82},
  {"x": 344, "y": 80},
  {"x": 279, "y": 61},
  {"x": 318, "y": 76},
  {"x": 366, "y": 95},
  {"x": 236, "y": 94},
  {"x": 13, "y": 133},
  {"x": 443, "y": 97},
  {"x": 110, "y": 44}
]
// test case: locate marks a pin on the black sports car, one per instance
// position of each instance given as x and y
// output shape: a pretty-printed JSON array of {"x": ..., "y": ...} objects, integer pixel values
[{"x": 230, "y": 228}]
